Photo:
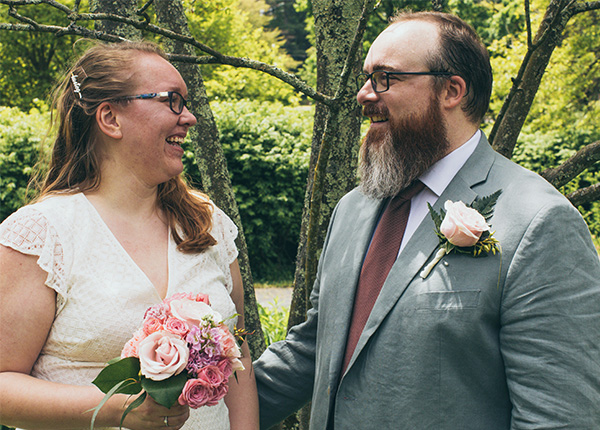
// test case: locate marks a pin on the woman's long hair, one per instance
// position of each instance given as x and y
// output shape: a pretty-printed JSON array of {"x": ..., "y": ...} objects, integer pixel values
[{"x": 104, "y": 72}]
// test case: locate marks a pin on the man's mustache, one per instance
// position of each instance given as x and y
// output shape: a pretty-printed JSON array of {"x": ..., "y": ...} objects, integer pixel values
[{"x": 375, "y": 110}]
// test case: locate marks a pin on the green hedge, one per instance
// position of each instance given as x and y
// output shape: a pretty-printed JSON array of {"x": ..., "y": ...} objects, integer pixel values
[
  {"x": 267, "y": 146},
  {"x": 21, "y": 135}
]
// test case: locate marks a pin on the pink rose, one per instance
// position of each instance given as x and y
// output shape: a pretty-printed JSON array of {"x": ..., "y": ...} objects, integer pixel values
[
  {"x": 212, "y": 375},
  {"x": 177, "y": 327},
  {"x": 198, "y": 392},
  {"x": 193, "y": 312},
  {"x": 462, "y": 226},
  {"x": 225, "y": 368},
  {"x": 228, "y": 343},
  {"x": 162, "y": 354},
  {"x": 152, "y": 325}
]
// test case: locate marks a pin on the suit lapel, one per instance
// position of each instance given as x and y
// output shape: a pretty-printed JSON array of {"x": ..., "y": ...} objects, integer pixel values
[
  {"x": 354, "y": 239},
  {"x": 424, "y": 242}
]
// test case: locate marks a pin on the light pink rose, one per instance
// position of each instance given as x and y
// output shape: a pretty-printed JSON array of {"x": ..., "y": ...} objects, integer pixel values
[
  {"x": 193, "y": 312},
  {"x": 462, "y": 226},
  {"x": 177, "y": 327},
  {"x": 162, "y": 354},
  {"x": 198, "y": 392},
  {"x": 152, "y": 325},
  {"x": 228, "y": 343}
]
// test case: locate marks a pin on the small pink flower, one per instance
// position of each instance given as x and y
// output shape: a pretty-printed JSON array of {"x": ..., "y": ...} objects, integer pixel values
[
  {"x": 131, "y": 347},
  {"x": 462, "y": 225},
  {"x": 152, "y": 325},
  {"x": 198, "y": 392},
  {"x": 225, "y": 368},
  {"x": 177, "y": 327},
  {"x": 162, "y": 354},
  {"x": 228, "y": 342},
  {"x": 212, "y": 376}
]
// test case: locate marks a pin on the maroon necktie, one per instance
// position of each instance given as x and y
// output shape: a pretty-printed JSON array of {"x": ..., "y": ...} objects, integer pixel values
[{"x": 380, "y": 258}]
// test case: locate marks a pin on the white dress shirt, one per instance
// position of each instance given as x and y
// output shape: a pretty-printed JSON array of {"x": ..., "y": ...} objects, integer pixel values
[{"x": 436, "y": 179}]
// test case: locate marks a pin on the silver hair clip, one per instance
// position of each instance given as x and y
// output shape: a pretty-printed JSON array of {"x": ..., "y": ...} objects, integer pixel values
[{"x": 77, "y": 89}]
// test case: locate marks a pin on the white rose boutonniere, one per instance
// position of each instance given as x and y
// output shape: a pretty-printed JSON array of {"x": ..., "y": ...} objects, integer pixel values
[{"x": 464, "y": 229}]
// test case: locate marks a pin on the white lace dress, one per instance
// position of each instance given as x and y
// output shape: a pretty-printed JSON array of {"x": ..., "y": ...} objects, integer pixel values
[{"x": 101, "y": 294}]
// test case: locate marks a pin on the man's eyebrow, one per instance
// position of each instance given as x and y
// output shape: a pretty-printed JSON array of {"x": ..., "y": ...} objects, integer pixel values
[{"x": 382, "y": 66}]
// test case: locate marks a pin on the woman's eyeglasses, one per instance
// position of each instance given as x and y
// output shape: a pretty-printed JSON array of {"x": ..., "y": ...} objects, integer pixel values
[{"x": 176, "y": 100}]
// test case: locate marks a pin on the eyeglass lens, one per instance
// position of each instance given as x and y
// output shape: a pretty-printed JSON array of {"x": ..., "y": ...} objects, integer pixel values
[
  {"x": 379, "y": 80},
  {"x": 176, "y": 102}
]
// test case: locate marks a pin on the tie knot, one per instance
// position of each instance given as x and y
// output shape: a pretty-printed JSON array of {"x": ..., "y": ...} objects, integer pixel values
[{"x": 409, "y": 192}]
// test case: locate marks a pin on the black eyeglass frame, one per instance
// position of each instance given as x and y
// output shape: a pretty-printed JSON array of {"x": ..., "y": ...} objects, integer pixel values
[
  {"x": 362, "y": 78},
  {"x": 169, "y": 94}
]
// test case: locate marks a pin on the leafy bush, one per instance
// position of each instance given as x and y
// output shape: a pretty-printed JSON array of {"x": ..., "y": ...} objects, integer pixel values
[
  {"x": 21, "y": 136},
  {"x": 273, "y": 320},
  {"x": 267, "y": 146}
]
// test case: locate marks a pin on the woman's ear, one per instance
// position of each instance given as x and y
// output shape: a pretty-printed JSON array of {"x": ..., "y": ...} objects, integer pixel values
[
  {"x": 108, "y": 121},
  {"x": 456, "y": 91}
]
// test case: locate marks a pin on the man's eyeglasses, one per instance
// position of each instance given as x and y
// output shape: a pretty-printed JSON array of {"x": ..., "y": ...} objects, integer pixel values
[
  {"x": 380, "y": 79},
  {"x": 176, "y": 100}
]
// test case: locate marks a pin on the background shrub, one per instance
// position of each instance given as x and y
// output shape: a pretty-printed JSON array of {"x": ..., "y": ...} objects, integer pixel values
[
  {"x": 21, "y": 136},
  {"x": 267, "y": 146}
]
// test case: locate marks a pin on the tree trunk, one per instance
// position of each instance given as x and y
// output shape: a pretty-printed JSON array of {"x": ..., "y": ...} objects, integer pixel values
[
  {"x": 116, "y": 7},
  {"x": 335, "y": 27},
  {"x": 514, "y": 112},
  {"x": 210, "y": 159}
]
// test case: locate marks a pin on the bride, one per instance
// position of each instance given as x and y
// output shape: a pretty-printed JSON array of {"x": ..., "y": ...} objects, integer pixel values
[{"x": 114, "y": 231}]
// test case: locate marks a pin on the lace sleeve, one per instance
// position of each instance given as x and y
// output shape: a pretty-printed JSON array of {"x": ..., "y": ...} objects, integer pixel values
[
  {"x": 28, "y": 231},
  {"x": 225, "y": 232}
]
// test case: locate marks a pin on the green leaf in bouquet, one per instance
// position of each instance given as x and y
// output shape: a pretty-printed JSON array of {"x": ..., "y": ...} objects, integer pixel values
[
  {"x": 121, "y": 370},
  {"x": 165, "y": 392},
  {"x": 113, "y": 390},
  {"x": 137, "y": 402}
]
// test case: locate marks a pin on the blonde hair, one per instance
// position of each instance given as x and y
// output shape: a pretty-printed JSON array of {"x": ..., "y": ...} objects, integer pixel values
[{"x": 104, "y": 72}]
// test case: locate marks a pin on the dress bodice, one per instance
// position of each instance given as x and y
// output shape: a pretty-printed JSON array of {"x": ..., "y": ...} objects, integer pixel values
[{"x": 102, "y": 295}]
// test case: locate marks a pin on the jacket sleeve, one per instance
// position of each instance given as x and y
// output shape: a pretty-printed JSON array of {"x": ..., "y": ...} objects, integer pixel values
[
  {"x": 285, "y": 372},
  {"x": 550, "y": 324}
]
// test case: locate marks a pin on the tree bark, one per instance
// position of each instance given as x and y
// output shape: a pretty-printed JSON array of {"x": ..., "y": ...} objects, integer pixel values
[
  {"x": 336, "y": 24},
  {"x": 514, "y": 112},
  {"x": 210, "y": 159},
  {"x": 584, "y": 158},
  {"x": 117, "y": 7}
]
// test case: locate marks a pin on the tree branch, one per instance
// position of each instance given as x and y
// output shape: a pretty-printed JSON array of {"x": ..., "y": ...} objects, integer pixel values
[
  {"x": 585, "y": 195},
  {"x": 215, "y": 57},
  {"x": 584, "y": 158}
]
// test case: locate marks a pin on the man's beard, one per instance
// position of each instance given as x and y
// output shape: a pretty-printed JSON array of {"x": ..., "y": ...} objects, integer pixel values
[{"x": 390, "y": 160}]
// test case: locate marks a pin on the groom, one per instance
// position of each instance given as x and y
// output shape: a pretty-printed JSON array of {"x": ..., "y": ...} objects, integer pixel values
[{"x": 509, "y": 340}]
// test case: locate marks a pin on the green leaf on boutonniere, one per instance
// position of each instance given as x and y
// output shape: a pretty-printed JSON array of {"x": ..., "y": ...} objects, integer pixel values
[
  {"x": 165, "y": 392},
  {"x": 485, "y": 205}
]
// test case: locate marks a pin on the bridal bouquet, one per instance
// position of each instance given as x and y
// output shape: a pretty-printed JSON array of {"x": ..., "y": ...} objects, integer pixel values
[{"x": 182, "y": 353}]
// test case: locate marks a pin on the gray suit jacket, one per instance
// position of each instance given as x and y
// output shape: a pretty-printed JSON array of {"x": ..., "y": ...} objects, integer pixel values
[{"x": 508, "y": 341}]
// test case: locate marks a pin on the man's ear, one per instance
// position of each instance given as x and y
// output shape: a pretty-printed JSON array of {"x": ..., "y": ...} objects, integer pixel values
[
  {"x": 455, "y": 92},
  {"x": 108, "y": 121}
]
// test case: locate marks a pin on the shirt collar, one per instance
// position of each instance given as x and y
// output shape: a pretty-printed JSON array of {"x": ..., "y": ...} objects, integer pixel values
[{"x": 438, "y": 176}]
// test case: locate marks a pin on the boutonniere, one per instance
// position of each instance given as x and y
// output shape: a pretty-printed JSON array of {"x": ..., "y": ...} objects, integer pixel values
[{"x": 464, "y": 229}]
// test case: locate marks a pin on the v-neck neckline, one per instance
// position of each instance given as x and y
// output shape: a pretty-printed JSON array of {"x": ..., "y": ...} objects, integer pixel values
[{"x": 132, "y": 262}]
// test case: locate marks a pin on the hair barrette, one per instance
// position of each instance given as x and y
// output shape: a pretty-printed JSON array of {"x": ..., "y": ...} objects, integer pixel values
[{"x": 76, "y": 85}]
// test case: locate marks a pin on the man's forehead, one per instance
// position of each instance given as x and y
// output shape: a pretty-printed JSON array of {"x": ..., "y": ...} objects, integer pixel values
[{"x": 401, "y": 45}]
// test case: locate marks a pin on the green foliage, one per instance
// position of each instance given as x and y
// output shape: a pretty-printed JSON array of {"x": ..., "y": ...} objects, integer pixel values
[
  {"x": 237, "y": 28},
  {"x": 21, "y": 136},
  {"x": 273, "y": 320},
  {"x": 31, "y": 62},
  {"x": 267, "y": 146}
]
